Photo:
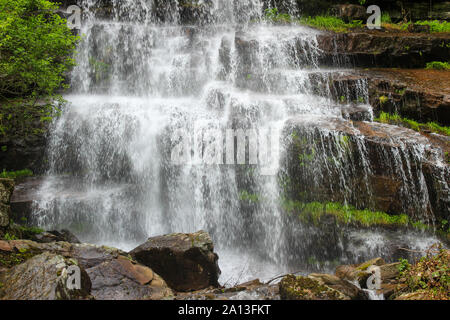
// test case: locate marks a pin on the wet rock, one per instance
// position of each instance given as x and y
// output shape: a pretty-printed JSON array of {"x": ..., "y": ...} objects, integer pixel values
[
  {"x": 343, "y": 286},
  {"x": 251, "y": 290},
  {"x": 349, "y": 12},
  {"x": 25, "y": 192},
  {"x": 113, "y": 273},
  {"x": 417, "y": 28},
  {"x": 6, "y": 190},
  {"x": 366, "y": 159},
  {"x": 24, "y": 140},
  {"x": 357, "y": 272},
  {"x": 379, "y": 49},
  {"x": 43, "y": 277},
  {"x": 123, "y": 279},
  {"x": 186, "y": 261},
  {"x": 54, "y": 236},
  {"x": 305, "y": 288},
  {"x": 389, "y": 271},
  {"x": 421, "y": 95}
]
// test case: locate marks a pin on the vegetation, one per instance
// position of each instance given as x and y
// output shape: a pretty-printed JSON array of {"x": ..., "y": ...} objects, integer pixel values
[
  {"x": 16, "y": 174},
  {"x": 396, "y": 119},
  {"x": 436, "y": 25},
  {"x": 249, "y": 197},
  {"x": 429, "y": 278},
  {"x": 315, "y": 211},
  {"x": 330, "y": 23},
  {"x": 437, "y": 65},
  {"x": 11, "y": 259},
  {"x": 36, "y": 49},
  {"x": 320, "y": 22}
]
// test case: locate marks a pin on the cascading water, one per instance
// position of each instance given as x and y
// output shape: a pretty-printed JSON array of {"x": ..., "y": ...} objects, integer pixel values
[{"x": 144, "y": 73}]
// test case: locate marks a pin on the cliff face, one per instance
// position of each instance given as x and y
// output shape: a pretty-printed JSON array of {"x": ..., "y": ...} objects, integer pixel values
[{"x": 418, "y": 10}]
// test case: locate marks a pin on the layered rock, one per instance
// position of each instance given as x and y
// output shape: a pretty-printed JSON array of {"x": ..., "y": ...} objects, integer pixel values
[
  {"x": 368, "y": 165},
  {"x": 186, "y": 261},
  {"x": 379, "y": 49},
  {"x": 421, "y": 95}
]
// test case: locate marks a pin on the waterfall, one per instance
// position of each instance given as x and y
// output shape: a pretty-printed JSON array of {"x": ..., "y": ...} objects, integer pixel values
[{"x": 148, "y": 69}]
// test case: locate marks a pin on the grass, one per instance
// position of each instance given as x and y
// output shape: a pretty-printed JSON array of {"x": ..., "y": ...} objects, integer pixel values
[
  {"x": 396, "y": 119},
  {"x": 435, "y": 25},
  {"x": 336, "y": 24},
  {"x": 320, "y": 22},
  {"x": 16, "y": 174},
  {"x": 330, "y": 23},
  {"x": 437, "y": 65},
  {"x": 314, "y": 211}
]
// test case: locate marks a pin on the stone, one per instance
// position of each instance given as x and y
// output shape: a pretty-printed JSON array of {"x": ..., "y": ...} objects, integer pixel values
[
  {"x": 121, "y": 279},
  {"x": 417, "y": 28},
  {"x": 383, "y": 50},
  {"x": 390, "y": 271},
  {"x": 187, "y": 262},
  {"x": 358, "y": 273},
  {"x": 343, "y": 286},
  {"x": 114, "y": 275},
  {"x": 43, "y": 277},
  {"x": 6, "y": 190},
  {"x": 349, "y": 12},
  {"x": 54, "y": 236},
  {"x": 305, "y": 288}
]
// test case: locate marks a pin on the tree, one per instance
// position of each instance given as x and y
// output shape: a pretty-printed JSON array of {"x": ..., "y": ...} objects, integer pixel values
[{"x": 36, "y": 48}]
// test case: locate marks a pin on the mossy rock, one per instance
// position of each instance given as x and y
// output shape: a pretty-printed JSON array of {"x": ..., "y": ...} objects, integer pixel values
[{"x": 304, "y": 288}]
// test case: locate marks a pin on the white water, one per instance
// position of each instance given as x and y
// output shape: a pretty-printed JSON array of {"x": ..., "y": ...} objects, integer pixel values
[{"x": 139, "y": 78}]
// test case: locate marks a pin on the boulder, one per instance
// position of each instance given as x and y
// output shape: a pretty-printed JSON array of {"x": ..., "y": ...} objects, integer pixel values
[
  {"x": 114, "y": 275},
  {"x": 43, "y": 277},
  {"x": 6, "y": 190},
  {"x": 358, "y": 273},
  {"x": 54, "y": 236},
  {"x": 306, "y": 288},
  {"x": 186, "y": 261},
  {"x": 123, "y": 279},
  {"x": 345, "y": 287}
]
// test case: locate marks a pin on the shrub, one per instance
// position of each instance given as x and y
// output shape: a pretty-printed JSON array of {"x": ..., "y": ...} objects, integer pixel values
[{"x": 36, "y": 48}]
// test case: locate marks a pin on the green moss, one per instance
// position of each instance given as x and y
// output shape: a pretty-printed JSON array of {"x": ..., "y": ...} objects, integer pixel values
[
  {"x": 16, "y": 174},
  {"x": 396, "y": 119},
  {"x": 16, "y": 231},
  {"x": 11, "y": 259},
  {"x": 438, "y": 65},
  {"x": 330, "y": 23},
  {"x": 313, "y": 212},
  {"x": 249, "y": 197},
  {"x": 303, "y": 288}
]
